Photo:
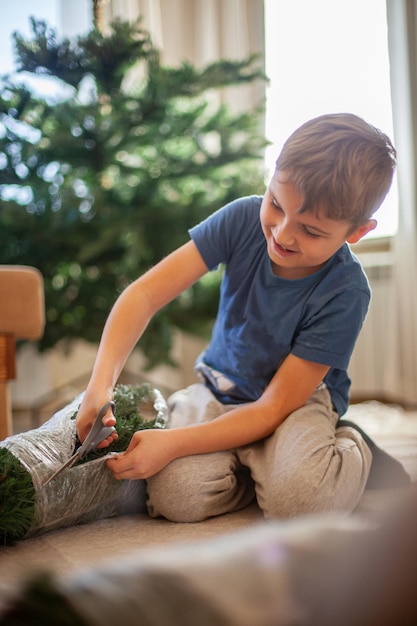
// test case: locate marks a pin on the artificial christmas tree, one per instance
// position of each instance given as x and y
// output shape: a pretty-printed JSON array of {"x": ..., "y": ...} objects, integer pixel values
[
  {"x": 101, "y": 181},
  {"x": 87, "y": 491}
]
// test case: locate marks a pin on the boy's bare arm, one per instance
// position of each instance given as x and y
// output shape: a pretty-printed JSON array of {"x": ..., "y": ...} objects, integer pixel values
[
  {"x": 127, "y": 321},
  {"x": 290, "y": 389}
]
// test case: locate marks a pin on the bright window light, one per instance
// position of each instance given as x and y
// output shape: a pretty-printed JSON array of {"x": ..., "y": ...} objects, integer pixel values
[
  {"x": 14, "y": 16},
  {"x": 327, "y": 57},
  {"x": 67, "y": 18}
]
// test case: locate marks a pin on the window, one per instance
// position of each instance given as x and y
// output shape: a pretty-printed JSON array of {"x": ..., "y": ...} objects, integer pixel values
[
  {"x": 68, "y": 18},
  {"x": 323, "y": 57}
]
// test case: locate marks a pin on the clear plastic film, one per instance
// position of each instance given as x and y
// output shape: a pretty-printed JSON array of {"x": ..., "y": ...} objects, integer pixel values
[{"x": 86, "y": 491}]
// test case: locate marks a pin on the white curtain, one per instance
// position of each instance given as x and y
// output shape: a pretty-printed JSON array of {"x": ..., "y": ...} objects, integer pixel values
[
  {"x": 201, "y": 32},
  {"x": 401, "y": 335}
]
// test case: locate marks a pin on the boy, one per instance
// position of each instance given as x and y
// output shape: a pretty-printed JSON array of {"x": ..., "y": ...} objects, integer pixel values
[{"x": 264, "y": 420}]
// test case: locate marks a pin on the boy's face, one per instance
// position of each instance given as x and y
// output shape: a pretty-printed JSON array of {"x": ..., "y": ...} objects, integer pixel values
[{"x": 300, "y": 244}]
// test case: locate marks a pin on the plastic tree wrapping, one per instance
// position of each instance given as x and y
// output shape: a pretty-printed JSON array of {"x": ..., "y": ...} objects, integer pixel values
[{"x": 84, "y": 492}]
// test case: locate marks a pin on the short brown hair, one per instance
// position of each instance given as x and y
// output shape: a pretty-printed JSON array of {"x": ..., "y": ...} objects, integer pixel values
[{"x": 341, "y": 165}]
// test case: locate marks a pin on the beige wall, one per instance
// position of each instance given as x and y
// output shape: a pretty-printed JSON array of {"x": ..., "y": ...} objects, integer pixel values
[{"x": 39, "y": 376}]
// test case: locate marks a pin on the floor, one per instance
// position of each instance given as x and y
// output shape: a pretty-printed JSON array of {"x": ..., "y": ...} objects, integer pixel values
[{"x": 77, "y": 546}]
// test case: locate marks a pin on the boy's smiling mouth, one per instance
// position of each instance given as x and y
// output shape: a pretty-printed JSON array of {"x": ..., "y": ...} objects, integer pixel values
[{"x": 279, "y": 249}]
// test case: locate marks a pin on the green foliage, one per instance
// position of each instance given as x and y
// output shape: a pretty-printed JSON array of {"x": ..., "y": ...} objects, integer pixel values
[
  {"x": 130, "y": 401},
  {"x": 40, "y": 601},
  {"x": 17, "y": 498},
  {"x": 17, "y": 493},
  {"x": 101, "y": 183}
]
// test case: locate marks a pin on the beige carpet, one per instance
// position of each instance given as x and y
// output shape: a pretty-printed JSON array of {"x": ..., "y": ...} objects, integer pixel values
[
  {"x": 65, "y": 550},
  {"x": 89, "y": 544}
]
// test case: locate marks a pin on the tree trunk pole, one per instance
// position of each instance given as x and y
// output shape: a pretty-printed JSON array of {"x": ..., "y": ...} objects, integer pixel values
[{"x": 98, "y": 14}]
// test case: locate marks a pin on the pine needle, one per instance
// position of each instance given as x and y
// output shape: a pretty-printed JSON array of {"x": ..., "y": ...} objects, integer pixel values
[
  {"x": 17, "y": 493},
  {"x": 17, "y": 498},
  {"x": 129, "y": 400}
]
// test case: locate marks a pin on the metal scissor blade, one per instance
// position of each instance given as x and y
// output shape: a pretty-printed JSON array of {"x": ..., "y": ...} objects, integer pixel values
[
  {"x": 98, "y": 432},
  {"x": 96, "y": 435},
  {"x": 73, "y": 459}
]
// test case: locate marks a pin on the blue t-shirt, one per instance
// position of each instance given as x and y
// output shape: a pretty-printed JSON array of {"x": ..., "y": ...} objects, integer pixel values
[{"x": 263, "y": 317}]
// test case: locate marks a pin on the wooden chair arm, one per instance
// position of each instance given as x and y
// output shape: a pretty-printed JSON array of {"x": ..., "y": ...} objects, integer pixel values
[{"x": 22, "y": 316}]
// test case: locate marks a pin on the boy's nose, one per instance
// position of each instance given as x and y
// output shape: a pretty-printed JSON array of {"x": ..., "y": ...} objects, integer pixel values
[{"x": 283, "y": 235}]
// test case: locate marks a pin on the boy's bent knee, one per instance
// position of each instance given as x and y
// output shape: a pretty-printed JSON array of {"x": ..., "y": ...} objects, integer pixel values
[
  {"x": 194, "y": 488},
  {"x": 174, "y": 493},
  {"x": 336, "y": 485}
]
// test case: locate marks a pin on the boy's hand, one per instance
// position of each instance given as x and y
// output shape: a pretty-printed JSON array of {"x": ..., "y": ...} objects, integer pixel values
[
  {"x": 148, "y": 453},
  {"x": 85, "y": 419}
]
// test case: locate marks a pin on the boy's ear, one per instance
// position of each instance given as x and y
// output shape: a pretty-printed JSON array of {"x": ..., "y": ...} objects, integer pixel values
[{"x": 363, "y": 230}]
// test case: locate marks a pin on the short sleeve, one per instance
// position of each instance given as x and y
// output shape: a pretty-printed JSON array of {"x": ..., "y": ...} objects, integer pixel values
[
  {"x": 329, "y": 335},
  {"x": 218, "y": 236}
]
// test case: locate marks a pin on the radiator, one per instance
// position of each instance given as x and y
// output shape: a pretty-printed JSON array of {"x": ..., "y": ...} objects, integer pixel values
[{"x": 366, "y": 368}]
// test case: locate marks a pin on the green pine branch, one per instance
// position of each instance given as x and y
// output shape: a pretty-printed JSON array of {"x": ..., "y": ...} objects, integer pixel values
[
  {"x": 100, "y": 184},
  {"x": 134, "y": 411}
]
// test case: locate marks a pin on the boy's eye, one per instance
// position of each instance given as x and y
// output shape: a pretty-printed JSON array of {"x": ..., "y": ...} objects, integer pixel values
[
  {"x": 305, "y": 229},
  {"x": 310, "y": 234},
  {"x": 275, "y": 204}
]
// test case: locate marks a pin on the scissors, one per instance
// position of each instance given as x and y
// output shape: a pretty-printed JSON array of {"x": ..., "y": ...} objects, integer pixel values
[{"x": 97, "y": 434}]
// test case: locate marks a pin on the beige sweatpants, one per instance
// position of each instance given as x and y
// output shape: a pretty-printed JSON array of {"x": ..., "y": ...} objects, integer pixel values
[{"x": 305, "y": 466}]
